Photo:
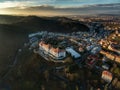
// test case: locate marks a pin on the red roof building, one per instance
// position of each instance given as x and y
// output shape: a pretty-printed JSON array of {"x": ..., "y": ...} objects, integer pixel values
[{"x": 55, "y": 52}]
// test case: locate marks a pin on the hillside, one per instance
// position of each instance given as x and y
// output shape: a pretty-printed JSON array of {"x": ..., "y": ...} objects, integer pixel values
[
  {"x": 15, "y": 29},
  {"x": 34, "y": 23}
]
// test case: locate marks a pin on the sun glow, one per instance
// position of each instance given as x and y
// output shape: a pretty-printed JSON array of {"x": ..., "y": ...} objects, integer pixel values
[
  {"x": 9, "y": 4},
  {"x": 4, "y": 12},
  {"x": 9, "y": 7}
]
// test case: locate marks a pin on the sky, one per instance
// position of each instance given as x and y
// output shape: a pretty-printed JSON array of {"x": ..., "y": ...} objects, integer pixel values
[{"x": 59, "y": 7}]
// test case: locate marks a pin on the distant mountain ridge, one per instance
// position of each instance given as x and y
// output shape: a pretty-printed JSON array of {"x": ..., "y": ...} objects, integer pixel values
[{"x": 34, "y": 23}]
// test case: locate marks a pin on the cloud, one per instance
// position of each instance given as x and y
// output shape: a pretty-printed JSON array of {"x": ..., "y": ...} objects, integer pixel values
[
  {"x": 9, "y": 4},
  {"x": 45, "y": 10}
]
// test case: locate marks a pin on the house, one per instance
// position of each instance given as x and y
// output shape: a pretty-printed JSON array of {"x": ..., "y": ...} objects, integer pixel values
[
  {"x": 89, "y": 47},
  {"x": 33, "y": 39},
  {"x": 81, "y": 49},
  {"x": 91, "y": 60},
  {"x": 96, "y": 50},
  {"x": 107, "y": 76},
  {"x": 106, "y": 66}
]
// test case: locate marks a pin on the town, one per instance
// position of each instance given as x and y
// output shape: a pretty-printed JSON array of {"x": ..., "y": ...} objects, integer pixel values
[
  {"x": 59, "y": 44},
  {"x": 96, "y": 52}
]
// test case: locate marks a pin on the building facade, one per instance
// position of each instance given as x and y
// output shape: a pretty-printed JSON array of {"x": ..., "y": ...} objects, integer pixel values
[{"x": 56, "y": 53}]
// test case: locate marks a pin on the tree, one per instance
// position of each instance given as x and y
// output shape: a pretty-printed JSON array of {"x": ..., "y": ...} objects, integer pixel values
[
  {"x": 77, "y": 88},
  {"x": 46, "y": 75},
  {"x": 118, "y": 85},
  {"x": 117, "y": 71},
  {"x": 64, "y": 85},
  {"x": 42, "y": 87},
  {"x": 68, "y": 60},
  {"x": 71, "y": 77}
]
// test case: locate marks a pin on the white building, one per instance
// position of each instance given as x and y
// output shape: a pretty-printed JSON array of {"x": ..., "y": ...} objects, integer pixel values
[
  {"x": 96, "y": 50},
  {"x": 89, "y": 47},
  {"x": 58, "y": 53},
  {"x": 54, "y": 52},
  {"x": 73, "y": 52}
]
